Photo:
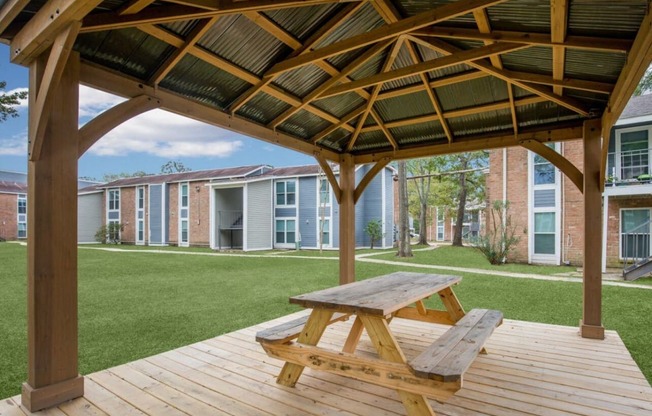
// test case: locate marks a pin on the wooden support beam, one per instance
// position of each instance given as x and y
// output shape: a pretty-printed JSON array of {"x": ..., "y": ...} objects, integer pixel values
[
  {"x": 323, "y": 163},
  {"x": 600, "y": 44},
  {"x": 124, "y": 86},
  {"x": 577, "y": 84},
  {"x": 52, "y": 335},
  {"x": 350, "y": 116},
  {"x": 563, "y": 164},
  {"x": 39, "y": 116},
  {"x": 98, "y": 127},
  {"x": 380, "y": 123},
  {"x": 558, "y": 18},
  {"x": 591, "y": 323},
  {"x": 134, "y": 6},
  {"x": 178, "y": 12},
  {"x": 195, "y": 35},
  {"x": 439, "y": 82},
  {"x": 9, "y": 12},
  {"x": 436, "y": 15},
  {"x": 469, "y": 144},
  {"x": 368, "y": 177},
  {"x": 43, "y": 28},
  {"x": 347, "y": 219},
  {"x": 459, "y": 57}
]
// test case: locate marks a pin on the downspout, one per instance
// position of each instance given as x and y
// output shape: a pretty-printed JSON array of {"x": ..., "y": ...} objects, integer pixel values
[{"x": 504, "y": 213}]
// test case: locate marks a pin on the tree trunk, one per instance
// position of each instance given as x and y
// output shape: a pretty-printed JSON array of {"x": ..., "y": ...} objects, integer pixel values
[
  {"x": 404, "y": 249},
  {"x": 423, "y": 226},
  {"x": 459, "y": 221}
]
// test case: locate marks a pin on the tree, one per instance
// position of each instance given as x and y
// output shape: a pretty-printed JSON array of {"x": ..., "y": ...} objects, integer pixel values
[
  {"x": 464, "y": 163},
  {"x": 9, "y": 101},
  {"x": 374, "y": 229},
  {"x": 500, "y": 235},
  {"x": 174, "y": 166},
  {"x": 422, "y": 170},
  {"x": 645, "y": 85},
  {"x": 404, "y": 249}
]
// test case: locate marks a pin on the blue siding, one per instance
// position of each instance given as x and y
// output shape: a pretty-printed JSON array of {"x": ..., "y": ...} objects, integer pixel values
[
  {"x": 308, "y": 211},
  {"x": 389, "y": 208},
  {"x": 285, "y": 212},
  {"x": 335, "y": 220},
  {"x": 155, "y": 219},
  {"x": 373, "y": 209},
  {"x": 360, "y": 209},
  {"x": 166, "y": 216}
]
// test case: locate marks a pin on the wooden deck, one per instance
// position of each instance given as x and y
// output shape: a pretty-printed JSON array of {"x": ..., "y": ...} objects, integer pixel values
[{"x": 530, "y": 369}]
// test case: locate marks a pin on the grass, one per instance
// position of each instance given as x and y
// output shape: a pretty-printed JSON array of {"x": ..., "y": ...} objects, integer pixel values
[{"x": 132, "y": 305}]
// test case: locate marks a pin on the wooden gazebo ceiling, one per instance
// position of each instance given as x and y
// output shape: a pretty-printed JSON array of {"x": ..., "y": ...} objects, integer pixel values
[{"x": 377, "y": 79}]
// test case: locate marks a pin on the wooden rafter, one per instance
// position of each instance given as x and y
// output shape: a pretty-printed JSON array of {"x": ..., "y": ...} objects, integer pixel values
[
  {"x": 590, "y": 43},
  {"x": 317, "y": 92},
  {"x": 439, "y": 82},
  {"x": 558, "y": 18},
  {"x": 234, "y": 70},
  {"x": 323, "y": 163},
  {"x": 321, "y": 34},
  {"x": 383, "y": 126},
  {"x": 10, "y": 11},
  {"x": 39, "y": 32},
  {"x": 368, "y": 177},
  {"x": 389, "y": 61},
  {"x": 177, "y": 12},
  {"x": 350, "y": 116},
  {"x": 124, "y": 86},
  {"x": 401, "y": 27},
  {"x": 558, "y": 160},
  {"x": 95, "y": 129},
  {"x": 577, "y": 84},
  {"x": 459, "y": 57},
  {"x": 570, "y": 103},
  {"x": 134, "y": 6},
  {"x": 484, "y": 26},
  {"x": 561, "y": 133},
  {"x": 39, "y": 113},
  {"x": 195, "y": 35}
]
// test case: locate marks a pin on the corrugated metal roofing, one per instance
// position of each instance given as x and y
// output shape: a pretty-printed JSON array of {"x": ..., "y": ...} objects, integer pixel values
[
  {"x": 301, "y": 81},
  {"x": 543, "y": 113},
  {"x": 398, "y": 108},
  {"x": 521, "y": 15},
  {"x": 592, "y": 65},
  {"x": 363, "y": 20},
  {"x": 371, "y": 140},
  {"x": 301, "y": 21},
  {"x": 340, "y": 105},
  {"x": 606, "y": 17},
  {"x": 304, "y": 124},
  {"x": 181, "y": 28},
  {"x": 537, "y": 60},
  {"x": 492, "y": 121},
  {"x": 472, "y": 93},
  {"x": 431, "y": 131},
  {"x": 263, "y": 108}
]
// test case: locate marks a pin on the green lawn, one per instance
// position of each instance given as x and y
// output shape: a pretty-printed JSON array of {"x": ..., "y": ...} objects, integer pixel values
[{"x": 133, "y": 305}]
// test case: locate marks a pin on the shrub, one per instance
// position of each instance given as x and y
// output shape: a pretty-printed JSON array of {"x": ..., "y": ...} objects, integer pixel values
[
  {"x": 109, "y": 234},
  {"x": 374, "y": 230},
  {"x": 499, "y": 237}
]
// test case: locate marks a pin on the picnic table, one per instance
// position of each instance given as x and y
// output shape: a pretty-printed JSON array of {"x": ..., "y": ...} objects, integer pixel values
[{"x": 437, "y": 372}]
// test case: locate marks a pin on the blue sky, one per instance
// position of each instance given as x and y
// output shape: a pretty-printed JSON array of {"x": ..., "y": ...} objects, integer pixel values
[{"x": 144, "y": 143}]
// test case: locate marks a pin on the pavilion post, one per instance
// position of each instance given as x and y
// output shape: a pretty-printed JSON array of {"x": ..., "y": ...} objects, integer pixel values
[
  {"x": 52, "y": 244},
  {"x": 591, "y": 324},
  {"x": 347, "y": 219}
]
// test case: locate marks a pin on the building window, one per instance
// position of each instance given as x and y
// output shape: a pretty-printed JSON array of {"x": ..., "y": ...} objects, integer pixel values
[
  {"x": 440, "y": 224},
  {"x": 141, "y": 198},
  {"x": 544, "y": 233},
  {"x": 544, "y": 171},
  {"x": 544, "y": 209},
  {"x": 635, "y": 233},
  {"x": 184, "y": 195},
  {"x": 141, "y": 230},
  {"x": 286, "y": 192},
  {"x": 324, "y": 192},
  {"x": 183, "y": 214},
  {"x": 325, "y": 226},
  {"x": 140, "y": 215},
  {"x": 285, "y": 231},
  {"x": 634, "y": 155},
  {"x": 114, "y": 199},
  {"x": 22, "y": 216}
]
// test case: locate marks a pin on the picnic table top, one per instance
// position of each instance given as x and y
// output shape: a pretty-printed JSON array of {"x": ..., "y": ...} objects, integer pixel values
[{"x": 378, "y": 296}]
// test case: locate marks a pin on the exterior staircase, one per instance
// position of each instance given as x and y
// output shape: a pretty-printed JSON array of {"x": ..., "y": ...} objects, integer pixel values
[{"x": 637, "y": 261}]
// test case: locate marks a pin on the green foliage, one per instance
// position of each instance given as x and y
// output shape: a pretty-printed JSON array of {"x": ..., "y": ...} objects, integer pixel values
[
  {"x": 500, "y": 234},
  {"x": 109, "y": 234},
  {"x": 374, "y": 229},
  {"x": 645, "y": 85},
  {"x": 9, "y": 101},
  {"x": 174, "y": 166}
]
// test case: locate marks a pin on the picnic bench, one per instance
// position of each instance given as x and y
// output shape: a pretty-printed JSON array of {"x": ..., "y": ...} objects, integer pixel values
[{"x": 436, "y": 373}]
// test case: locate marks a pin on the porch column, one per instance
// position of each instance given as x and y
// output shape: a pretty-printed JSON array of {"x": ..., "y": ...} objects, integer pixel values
[
  {"x": 52, "y": 244},
  {"x": 347, "y": 220},
  {"x": 591, "y": 324}
]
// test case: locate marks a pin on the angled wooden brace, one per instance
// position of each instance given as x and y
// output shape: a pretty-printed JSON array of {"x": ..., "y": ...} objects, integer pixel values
[
  {"x": 329, "y": 175},
  {"x": 95, "y": 129},
  {"x": 366, "y": 180},
  {"x": 558, "y": 160},
  {"x": 40, "y": 112}
]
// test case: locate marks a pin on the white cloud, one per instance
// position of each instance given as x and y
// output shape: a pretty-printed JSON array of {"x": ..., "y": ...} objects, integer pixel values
[
  {"x": 92, "y": 102},
  {"x": 14, "y": 146},
  {"x": 168, "y": 135}
]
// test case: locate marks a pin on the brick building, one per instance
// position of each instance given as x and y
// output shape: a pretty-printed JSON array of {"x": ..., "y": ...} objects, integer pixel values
[{"x": 547, "y": 207}]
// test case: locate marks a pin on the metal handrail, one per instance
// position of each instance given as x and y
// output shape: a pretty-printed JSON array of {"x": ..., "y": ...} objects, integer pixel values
[
  {"x": 230, "y": 220},
  {"x": 635, "y": 235},
  {"x": 623, "y": 156}
]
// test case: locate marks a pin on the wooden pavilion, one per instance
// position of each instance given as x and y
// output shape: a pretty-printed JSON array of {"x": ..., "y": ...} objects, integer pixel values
[{"x": 349, "y": 82}]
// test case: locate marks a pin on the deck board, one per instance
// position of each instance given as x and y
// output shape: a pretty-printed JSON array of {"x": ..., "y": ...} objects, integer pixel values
[{"x": 531, "y": 369}]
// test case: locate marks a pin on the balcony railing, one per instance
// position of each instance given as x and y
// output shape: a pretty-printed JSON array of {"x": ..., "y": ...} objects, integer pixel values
[
  {"x": 633, "y": 167},
  {"x": 230, "y": 220}
]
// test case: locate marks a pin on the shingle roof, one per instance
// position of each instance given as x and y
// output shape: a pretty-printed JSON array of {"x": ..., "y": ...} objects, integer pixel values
[
  {"x": 13, "y": 187},
  {"x": 637, "y": 107},
  {"x": 222, "y": 173}
]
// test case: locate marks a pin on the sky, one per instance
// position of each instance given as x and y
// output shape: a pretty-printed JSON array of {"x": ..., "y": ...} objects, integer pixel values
[{"x": 143, "y": 143}]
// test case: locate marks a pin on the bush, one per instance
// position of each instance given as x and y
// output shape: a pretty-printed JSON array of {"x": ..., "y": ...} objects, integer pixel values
[
  {"x": 500, "y": 238},
  {"x": 374, "y": 230},
  {"x": 109, "y": 234}
]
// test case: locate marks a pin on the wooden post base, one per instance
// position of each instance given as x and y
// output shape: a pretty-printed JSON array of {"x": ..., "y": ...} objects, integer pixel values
[
  {"x": 591, "y": 331},
  {"x": 52, "y": 395}
]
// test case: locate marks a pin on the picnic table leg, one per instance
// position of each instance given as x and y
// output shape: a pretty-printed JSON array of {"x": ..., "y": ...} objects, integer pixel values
[
  {"x": 452, "y": 304},
  {"x": 354, "y": 336},
  {"x": 311, "y": 334},
  {"x": 388, "y": 349}
]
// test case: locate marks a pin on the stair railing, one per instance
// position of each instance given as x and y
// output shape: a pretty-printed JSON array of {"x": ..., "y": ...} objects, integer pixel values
[{"x": 639, "y": 240}]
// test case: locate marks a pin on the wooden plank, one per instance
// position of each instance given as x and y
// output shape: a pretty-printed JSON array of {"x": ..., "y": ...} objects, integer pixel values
[
  {"x": 9, "y": 11},
  {"x": 380, "y": 296},
  {"x": 107, "y": 401},
  {"x": 448, "y": 358},
  {"x": 287, "y": 331},
  {"x": 342, "y": 124},
  {"x": 431, "y": 316},
  {"x": 347, "y": 220},
  {"x": 558, "y": 18},
  {"x": 354, "y": 336},
  {"x": 328, "y": 171},
  {"x": 368, "y": 177},
  {"x": 82, "y": 407},
  {"x": 451, "y": 303},
  {"x": 134, "y": 6},
  {"x": 401, "y": 27}
]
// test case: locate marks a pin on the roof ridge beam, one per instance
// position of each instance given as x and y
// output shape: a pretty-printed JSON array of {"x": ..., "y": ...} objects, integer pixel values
[
  {"x": 401, "y": 27},
  {"x": 558, "y": 19}
]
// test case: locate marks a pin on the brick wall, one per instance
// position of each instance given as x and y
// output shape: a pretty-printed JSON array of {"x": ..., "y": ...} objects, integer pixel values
[
  {"x": 173, "y": 209},
  {"x": 572, "y": 208},
  {"x": 199, "y": 227},
  {"x": 8, "y": 216},
  {"x": 613, "y": 225},
  {"x": 128, "y": 215}
]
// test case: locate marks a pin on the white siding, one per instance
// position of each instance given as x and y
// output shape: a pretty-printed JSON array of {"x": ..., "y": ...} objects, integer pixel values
[
  {"x": 257, "y": 214},
  {"x": 89, "y": 216}
]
